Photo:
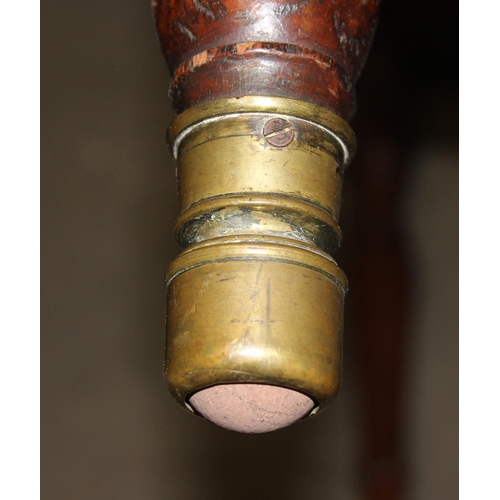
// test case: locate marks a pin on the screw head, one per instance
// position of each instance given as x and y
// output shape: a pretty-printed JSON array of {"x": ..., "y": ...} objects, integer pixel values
[{"x": 279, "y": 132}]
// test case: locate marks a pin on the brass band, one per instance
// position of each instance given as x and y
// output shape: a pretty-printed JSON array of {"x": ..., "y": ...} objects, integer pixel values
[
  {"x": 265, "y": 104},
  {"x": 224, "y": 157},
  {"x": 254, "y": 311}
]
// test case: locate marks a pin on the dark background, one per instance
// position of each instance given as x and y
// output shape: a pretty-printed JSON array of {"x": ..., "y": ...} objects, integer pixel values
[{"x": 109, "y": 429}]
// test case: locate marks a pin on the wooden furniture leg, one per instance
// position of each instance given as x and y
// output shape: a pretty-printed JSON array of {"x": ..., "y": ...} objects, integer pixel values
[{"x": 264, "y": 90}]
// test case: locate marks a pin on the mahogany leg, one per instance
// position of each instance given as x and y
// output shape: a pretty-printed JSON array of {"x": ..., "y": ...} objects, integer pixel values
[{"x": 380, "y": 286}]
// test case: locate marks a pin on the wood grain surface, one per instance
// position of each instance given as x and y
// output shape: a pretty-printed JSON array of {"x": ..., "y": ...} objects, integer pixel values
[{"x": 309, "y": 50}]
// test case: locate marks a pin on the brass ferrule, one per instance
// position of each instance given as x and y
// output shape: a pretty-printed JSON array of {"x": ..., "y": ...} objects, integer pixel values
[{"x": 256, "y": 296}]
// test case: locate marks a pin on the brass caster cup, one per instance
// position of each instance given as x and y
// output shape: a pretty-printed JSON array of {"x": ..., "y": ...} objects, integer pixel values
[
  {"x": 254, "y": 310},
  {"x": 256, "y": 297}
]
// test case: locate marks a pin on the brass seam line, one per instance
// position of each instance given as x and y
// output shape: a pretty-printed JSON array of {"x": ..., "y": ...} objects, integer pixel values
[
  {"x": 236, "y": 199},
  {"x": 169, "y": 280},
  {"x": 241, "y": 240}
]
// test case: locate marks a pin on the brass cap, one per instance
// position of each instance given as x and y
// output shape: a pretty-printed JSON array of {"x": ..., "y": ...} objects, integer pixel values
[{"x": 254, "y": 311}]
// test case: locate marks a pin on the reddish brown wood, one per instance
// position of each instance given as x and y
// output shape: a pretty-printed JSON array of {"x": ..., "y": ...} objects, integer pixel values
[
  {"x": 263, "y": 68},
  {"x": 341, "y": 29},
  {"x": 380, "y": 285},
  {"x": 380, "y": 281},
  {"x": 309, "y": 50}
]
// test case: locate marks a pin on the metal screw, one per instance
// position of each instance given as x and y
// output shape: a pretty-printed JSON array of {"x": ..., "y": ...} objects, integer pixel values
[{"x": 278, "y": 132}]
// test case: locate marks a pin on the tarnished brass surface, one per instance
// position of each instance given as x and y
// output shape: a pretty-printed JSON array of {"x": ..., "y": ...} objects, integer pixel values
[
  {"x": 244, "y": 165},
  {"x": 224, "y": 155},
  {"x": 272, "y": 214},
  {"x": 265, "y": 104},
  {"x": 260, "y": 311},
  {"x": 256, "y": 296}
]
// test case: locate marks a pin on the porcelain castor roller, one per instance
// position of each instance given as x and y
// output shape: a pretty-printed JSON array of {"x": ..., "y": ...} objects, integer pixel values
[{"x": 251, "y": 408}]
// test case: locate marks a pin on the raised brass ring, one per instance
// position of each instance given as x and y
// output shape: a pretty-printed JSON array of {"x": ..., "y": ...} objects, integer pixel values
[{"x": 279, "y": 107}]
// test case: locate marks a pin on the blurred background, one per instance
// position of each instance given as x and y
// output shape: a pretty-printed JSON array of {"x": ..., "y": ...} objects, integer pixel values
[{"x": 109, "y": 428}]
